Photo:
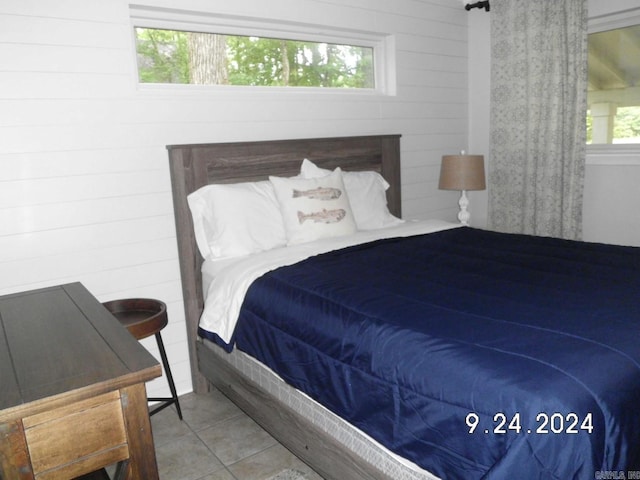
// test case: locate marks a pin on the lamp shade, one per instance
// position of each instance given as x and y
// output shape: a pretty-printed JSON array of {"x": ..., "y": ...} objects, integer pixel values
[{"x": 462, "y": 172}]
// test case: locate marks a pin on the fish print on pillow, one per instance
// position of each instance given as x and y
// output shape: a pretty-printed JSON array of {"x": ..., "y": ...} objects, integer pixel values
[
  {"x": 323, "y": 216},
  {"x": 320, "y": 193}
]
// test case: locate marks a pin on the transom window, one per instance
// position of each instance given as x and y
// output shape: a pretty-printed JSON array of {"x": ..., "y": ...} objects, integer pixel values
[{"x": 186, "y": 57}]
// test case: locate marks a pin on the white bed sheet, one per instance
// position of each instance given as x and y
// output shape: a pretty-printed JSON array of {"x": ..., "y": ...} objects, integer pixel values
[{"x": 225, "y": 283}]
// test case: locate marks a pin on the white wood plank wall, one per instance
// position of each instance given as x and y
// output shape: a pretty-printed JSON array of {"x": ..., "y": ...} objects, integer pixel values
[{"x": 84, "y": 180}]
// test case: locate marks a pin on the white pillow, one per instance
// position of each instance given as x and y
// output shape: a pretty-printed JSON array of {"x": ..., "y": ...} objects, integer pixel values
[
  {"x": 367, "y": 195},
  {"x": 236, "y": 219},
  {"x": 314, "y": 208}
]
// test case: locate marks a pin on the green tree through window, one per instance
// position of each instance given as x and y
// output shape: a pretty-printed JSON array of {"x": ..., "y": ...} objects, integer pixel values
[{"x": 170, "y": 56}]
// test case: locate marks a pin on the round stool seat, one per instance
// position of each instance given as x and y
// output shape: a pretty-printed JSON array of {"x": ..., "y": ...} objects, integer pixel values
[{"x": 143, "y": 317}]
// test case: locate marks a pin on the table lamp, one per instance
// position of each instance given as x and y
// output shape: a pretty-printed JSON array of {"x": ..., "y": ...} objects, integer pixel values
[{"x": 462, "y": 172}]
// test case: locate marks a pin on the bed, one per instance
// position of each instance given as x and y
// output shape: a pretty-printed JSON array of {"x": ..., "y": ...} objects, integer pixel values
[{"x": 542, "y": 366}]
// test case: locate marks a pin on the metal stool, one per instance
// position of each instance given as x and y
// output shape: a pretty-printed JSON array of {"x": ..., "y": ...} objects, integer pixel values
[{"x": 144, "y": 317}]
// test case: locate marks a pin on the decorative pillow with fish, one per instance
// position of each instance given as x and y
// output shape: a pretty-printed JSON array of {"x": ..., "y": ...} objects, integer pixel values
[
  {"x": 314, "y": 208},
  {"x": 367, "y": 195}
]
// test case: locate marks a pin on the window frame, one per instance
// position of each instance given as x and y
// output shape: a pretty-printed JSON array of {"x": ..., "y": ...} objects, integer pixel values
[
  {"x": 383, "y": 46},
  {"x": 613, "y": 154}
]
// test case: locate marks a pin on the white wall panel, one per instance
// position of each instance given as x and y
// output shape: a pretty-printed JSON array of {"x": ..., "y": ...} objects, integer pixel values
[
  {"x": 610, "y": 203},
  {"x": 61, "y": 239},
  {"x": 130, "y": 280},
  {"x": 84, "y": 182},
  {"x": 54, "y": 268},
  {"x": 34, "y": 30},
  {"x": 432, "y": 143},
  {"x": 22, "y": 85},
  {"x": 431, "y": 61},
  {"x": 60, "y": 217},
  {"x": 40, "y": 191},
  {"x": 56, "y": 58},
  {"x": 44, "y": 164},
  {"x": 83, "y": 10}
]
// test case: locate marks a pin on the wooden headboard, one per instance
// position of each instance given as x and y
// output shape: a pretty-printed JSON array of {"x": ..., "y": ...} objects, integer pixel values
[{"x": 193, "y": 166}]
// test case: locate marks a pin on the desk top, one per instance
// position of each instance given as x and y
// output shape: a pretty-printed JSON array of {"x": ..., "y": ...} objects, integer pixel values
[{"x": 60, "y": 342}]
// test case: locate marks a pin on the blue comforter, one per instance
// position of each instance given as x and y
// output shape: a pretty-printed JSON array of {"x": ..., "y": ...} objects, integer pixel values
[{"x": 472, "y": 353}]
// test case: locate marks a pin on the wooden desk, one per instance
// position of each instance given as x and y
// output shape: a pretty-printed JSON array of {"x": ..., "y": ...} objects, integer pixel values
[{"x": 72, "y": 393}]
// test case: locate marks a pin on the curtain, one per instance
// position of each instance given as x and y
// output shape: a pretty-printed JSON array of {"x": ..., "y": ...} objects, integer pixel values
[{"x": 538, "y": 116}]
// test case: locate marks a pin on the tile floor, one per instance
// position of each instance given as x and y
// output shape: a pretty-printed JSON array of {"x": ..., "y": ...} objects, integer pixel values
[{"x": 217, "y": 441}]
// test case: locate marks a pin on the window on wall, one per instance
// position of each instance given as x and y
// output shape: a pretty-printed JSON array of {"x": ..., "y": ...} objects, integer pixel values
[
  {"x": 201, "y": 58},
  {"x": 178, "y": 49},
  {"x": 614, "y": 86}
]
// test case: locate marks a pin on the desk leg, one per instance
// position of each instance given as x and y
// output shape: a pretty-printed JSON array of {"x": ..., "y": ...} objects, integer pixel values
[
  {"x": 142, "y": 454},
  {"x": 14, "y": 453}
]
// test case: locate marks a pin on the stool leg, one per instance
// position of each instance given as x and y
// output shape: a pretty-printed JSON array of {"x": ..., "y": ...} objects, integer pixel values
[{"x": 167, "y": 369}]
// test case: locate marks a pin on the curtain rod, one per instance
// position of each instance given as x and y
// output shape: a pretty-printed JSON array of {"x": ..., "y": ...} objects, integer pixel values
[{"x": 484, "y": 5}]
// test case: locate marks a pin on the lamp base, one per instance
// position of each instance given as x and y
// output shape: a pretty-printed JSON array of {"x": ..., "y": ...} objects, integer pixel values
[{"x": 463, "y": 214}]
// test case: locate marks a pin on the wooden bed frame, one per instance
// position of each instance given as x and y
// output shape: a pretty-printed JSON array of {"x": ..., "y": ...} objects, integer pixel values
[{"x": 193, "y": 166}]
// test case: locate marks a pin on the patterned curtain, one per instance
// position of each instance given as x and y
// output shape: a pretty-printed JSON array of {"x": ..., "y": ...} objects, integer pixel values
[{"x": 538, "y": 110}]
